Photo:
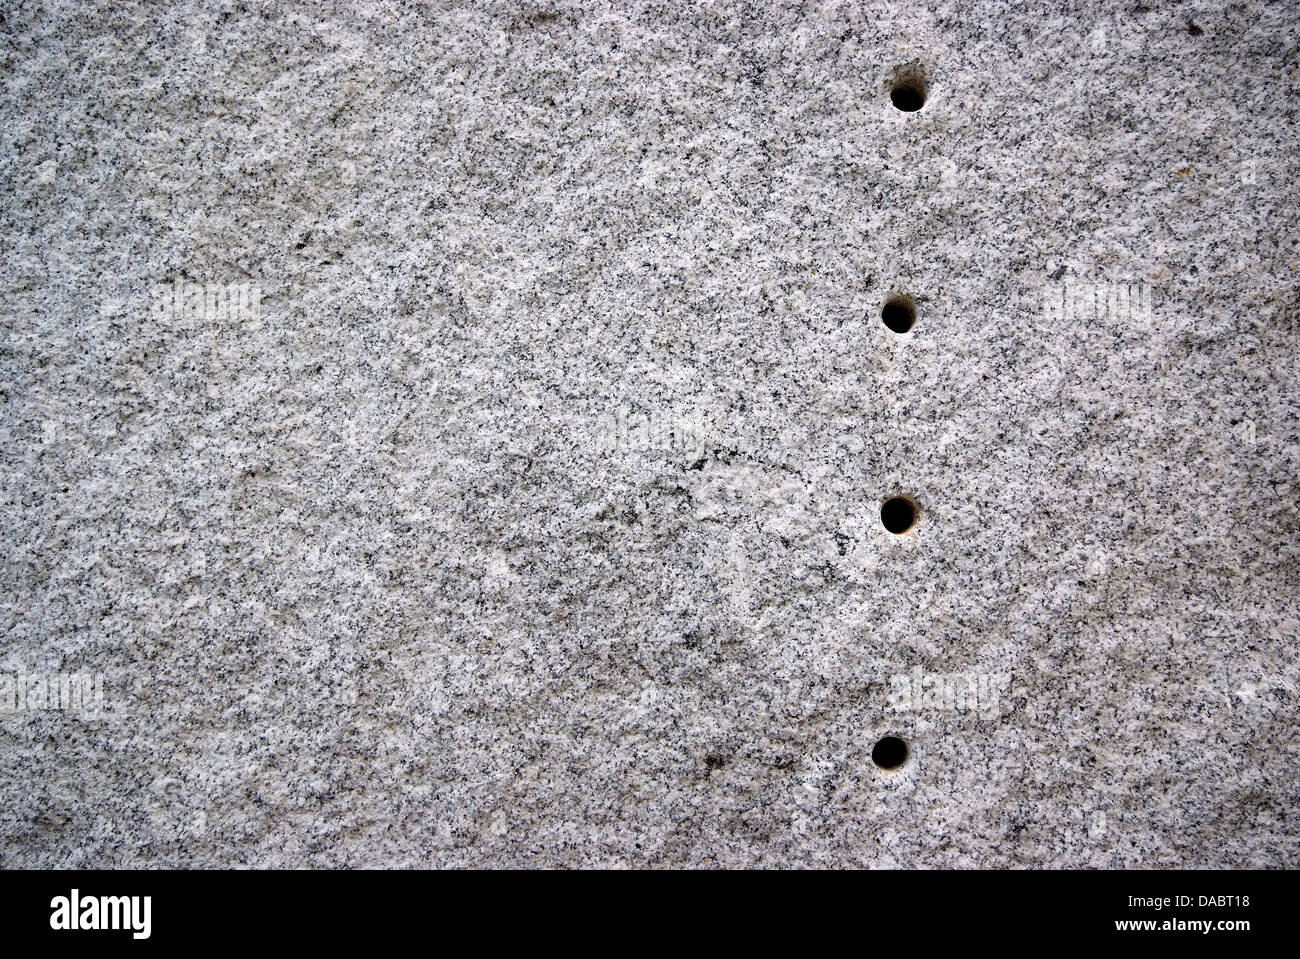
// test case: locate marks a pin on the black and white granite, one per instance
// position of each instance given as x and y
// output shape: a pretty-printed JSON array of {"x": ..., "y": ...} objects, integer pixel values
[{"x": 531, "y": 515}]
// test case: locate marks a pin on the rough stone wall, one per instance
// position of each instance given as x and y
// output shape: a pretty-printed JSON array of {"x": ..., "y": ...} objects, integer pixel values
[{"x": 456, "y": 434}]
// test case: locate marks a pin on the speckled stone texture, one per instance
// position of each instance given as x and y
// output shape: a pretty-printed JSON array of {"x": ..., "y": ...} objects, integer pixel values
[{"x": 533, "y": 516}]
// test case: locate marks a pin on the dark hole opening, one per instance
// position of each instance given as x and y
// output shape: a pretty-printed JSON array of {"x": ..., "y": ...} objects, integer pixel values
[
  {"x": 907, "y": 95},
  {"x": 898, "y": 514},
  {"x": 889, "y": 753},
  {"x": 898, "y": 314}
]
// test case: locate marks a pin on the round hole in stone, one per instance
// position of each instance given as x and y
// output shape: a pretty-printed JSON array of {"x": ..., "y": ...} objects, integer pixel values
[
  {"x": 899, "y": 313},
  {"x": 898, "y": 514},
  {"x": 889, "y": 753},
  {"x": 908, "y": 90}
]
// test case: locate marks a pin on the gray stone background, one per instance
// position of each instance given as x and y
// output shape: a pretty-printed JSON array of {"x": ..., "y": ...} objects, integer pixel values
[{"x": 382, "y": 571}]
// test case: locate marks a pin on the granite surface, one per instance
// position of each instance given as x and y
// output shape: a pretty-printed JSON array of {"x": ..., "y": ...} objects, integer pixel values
[{"x": 503, "y": 486}]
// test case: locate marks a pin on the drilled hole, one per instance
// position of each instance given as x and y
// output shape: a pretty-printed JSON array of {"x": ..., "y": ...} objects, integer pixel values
[
  {"x": 908, "y": 90},
  {"x": 898, "y": 514},
  {"x": 889, "y": 753},
  {"x": 898, "y": 313}
]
